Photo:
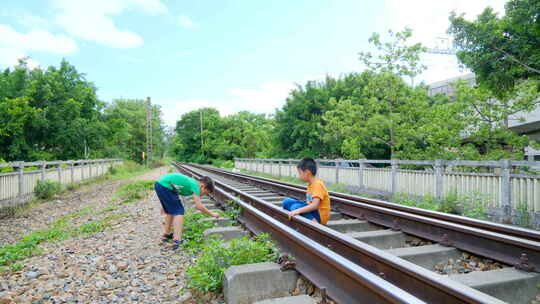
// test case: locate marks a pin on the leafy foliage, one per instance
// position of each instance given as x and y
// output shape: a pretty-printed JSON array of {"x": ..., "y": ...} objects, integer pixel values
[
  {"x": 501, "y": 51},
  {"x": 206, "y": 275},
  {"x": 54, "y": 113},
  {"x": 47, "y": 189}
]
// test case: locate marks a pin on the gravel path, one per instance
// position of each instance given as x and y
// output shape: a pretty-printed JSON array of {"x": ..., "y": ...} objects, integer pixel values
[{"x": 124, "y": 264}]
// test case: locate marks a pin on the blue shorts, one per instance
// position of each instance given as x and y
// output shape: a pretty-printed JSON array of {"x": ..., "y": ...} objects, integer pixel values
[
  {"x": 169, "y": 200},
  {"x": 291, "y": 204}
]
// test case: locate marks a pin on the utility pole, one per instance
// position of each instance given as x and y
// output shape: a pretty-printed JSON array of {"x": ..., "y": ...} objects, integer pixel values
[
  {"x": 148, "y": 131},
  {"x": 201, "y": 123}
]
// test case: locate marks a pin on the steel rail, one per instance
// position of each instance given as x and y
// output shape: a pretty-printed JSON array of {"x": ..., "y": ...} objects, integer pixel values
[
  {"x": 343, "y": 280},
  {"x": 516, "y": 231},
  {"x": 498, "y": 246},
  {"x": 424, "y": 284}
]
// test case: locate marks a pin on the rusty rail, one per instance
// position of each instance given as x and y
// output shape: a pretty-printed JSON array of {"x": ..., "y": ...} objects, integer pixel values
[
  {"x": 420, "y": 282},
  {"x": 499, "y": 246},
  {"x": 343, "y": 280},
  {"x": 510, "y": 230}
]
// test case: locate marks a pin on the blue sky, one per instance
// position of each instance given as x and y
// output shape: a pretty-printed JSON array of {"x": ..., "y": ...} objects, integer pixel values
[{"x": 232, "y": 55}]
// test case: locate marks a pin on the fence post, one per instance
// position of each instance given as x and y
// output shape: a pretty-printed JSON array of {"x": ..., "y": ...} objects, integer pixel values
[
  {"x": 81, "y": 164},
  {"x": 71, "y": 167},
  {"x": 337, "y": 171},
  {"x": 90, "y": 169},
  {"x": 43, "y": 166},
  {"x": 59, "y": 172},
  {"x": 361, "y": 167},
  {"x": 393, "y": 185},
  {"x": 289, "y": 164},
  {"x": 279, "y": 168},
  {"x": 439, "y": 163},
  {"x": 506, "y": 190},
  {"x": 20, "y": 170}
]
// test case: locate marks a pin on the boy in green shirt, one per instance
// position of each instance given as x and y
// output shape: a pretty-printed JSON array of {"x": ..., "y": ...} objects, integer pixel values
[{"x": 168, "y": 188}]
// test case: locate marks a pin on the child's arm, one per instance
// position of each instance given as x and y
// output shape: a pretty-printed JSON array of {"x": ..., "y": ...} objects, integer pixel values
[
  {"x": 310, "y": 207},
  {"x": 199, "y": 206}
]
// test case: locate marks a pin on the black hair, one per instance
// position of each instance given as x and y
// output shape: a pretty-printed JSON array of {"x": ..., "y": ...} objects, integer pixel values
[
  {"x": 308, "y": 164},
  {"x": 208, "y": 183}
]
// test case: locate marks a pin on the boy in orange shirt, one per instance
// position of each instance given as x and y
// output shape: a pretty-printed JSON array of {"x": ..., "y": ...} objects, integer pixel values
[{"x": 317, "y": 204}]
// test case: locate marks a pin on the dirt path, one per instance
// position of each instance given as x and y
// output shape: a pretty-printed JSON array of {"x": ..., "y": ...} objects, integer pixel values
[{"x": 124, "y": 264}]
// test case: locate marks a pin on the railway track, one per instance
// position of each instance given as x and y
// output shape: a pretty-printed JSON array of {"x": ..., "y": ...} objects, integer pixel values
[{"x": 374, "y": 234}]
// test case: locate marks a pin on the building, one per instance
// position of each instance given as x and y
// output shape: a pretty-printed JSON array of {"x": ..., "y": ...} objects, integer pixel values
[{"x": 522, "y": 123}]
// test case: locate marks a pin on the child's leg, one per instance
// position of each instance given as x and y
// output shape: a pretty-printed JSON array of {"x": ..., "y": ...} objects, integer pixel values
[
  {"x": 288, "y": 203},
  {"x": 178, "y": 222},
  {"x": 168, "y": 223}
]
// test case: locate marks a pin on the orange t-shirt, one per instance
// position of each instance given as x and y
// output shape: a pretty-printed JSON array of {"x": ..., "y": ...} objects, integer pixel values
[{"x": 318, "y": 189}]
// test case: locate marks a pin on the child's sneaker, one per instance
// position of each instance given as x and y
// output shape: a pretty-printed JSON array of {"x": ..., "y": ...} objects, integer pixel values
[
  {"x": 177, "y": 244},
  {"x": 167, "y": 237}
]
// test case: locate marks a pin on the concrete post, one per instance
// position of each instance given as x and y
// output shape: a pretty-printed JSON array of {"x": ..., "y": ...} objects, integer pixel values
[
  {"x": 81, "y": 164},
  {"x": 506, "y": 190},
  {"x": 90, "y": 170},
  {"x": 72, "y": 171},
  {"x": 361, "y": 167},
  {"x": 59, "y": 169},
  {"x": 43, "y": 166},
  {"x": 393, "y": 185},
  {"x": 337, "y": 171},
  {"x": 279, "y": 168},
  {"x": 439, "y": 163},
  {"x": 20, "y": 170},
  {"x": 289, "y": 162}
]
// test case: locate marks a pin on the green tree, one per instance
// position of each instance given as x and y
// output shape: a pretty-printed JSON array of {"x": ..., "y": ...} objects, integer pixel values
[
  {"x": 390, "y": 103},
  {"x": 125, "y": 120},
  {"x": 501, "y": 51}
]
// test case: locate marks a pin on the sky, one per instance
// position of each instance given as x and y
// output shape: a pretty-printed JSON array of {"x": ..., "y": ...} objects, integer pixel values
[{"x": 232, "y": 55}]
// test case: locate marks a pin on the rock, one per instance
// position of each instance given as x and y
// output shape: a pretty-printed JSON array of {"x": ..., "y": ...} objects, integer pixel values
[
  {"x": 31, "y": 274},
  {"x": 185, "y": 297}
]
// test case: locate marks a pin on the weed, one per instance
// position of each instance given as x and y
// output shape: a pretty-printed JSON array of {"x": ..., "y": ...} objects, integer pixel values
[
  {"x": 206, "y": 275},
  {"x": 60, "y": 230},
  {"x": 523, "y": 216},
  {"x": 46, "y": 189},
  {"x": 193, "y": 231},
  {"x": 134, "y": 191}
]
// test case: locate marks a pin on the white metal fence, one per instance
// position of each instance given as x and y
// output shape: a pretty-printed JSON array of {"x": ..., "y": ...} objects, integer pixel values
[
  {"x": 501, "y": 189},
  {"x": 18, "y": 186}
]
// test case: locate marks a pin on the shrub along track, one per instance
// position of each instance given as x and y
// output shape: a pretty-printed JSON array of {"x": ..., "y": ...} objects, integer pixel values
[{"x": 350, "y": 238}]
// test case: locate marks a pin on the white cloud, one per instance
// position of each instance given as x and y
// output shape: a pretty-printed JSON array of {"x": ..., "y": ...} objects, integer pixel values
[
  {"x": 15, "y": 45},
  {"x": 92, "y": 20},
  {"x": 264, "y": 99},
  {"x": 429, "y": 20},
  {"x": 186, "y": 22}
]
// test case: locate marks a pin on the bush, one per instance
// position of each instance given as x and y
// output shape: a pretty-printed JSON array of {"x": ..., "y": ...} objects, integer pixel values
[
  {"x": 226, "y": 164},
  {"x": 206, "y": 275},
  {"x": 47, "y": 189}
]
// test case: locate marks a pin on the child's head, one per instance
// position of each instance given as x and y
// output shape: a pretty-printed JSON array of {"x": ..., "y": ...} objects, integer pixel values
[
  {"x": 207, "y": 185},
  {"x": 307, "y": 168}
]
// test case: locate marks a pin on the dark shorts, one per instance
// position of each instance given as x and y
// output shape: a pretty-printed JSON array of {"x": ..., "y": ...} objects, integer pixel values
[{"x": 169, "y": 200}]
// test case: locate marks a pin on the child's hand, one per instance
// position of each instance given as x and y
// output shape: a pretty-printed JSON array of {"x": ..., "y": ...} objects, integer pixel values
[
  {"x": 162, "y": 211},
  {"x": 293, "y": 213}
]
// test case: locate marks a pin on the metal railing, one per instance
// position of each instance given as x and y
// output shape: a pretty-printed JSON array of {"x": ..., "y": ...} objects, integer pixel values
[{"x": 18, "y": 186}]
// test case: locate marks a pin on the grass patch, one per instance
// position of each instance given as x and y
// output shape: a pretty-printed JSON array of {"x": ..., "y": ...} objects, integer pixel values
[
  {"x": 60, "y": 230},
  {"x": 206, "y": 275},
  {"x": 134, "y": 191},
  {"x": 128, "y": 170}
]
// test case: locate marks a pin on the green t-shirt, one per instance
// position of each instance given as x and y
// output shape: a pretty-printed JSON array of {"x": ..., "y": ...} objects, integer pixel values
[{"x": 184, "y": 185}]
